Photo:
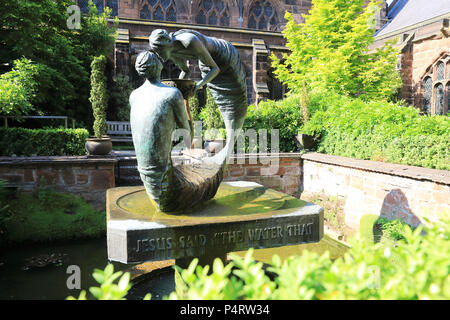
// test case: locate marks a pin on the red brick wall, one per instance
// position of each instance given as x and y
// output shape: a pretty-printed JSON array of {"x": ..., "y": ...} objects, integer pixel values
[{"x": 87, "y": 177}]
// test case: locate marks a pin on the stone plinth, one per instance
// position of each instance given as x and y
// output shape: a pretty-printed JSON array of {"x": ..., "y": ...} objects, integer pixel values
[{"x": 242, "y": 215}]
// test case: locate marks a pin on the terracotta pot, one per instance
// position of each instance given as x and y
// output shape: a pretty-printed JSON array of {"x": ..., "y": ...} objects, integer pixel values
[
  {"x": 214, "y": 146},
  {"x": 98, "y": 146}
]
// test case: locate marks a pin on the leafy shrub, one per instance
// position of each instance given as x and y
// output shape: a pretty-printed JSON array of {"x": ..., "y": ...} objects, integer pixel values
[
  {"x": 413, "y": 268},
  {"x": 210, "y": 114},
  {"x": 99, "y": 96},
  {"x": 392, "y": 229},
  {"x": 119, "y": 98},
  {"x": 108, "y": 290},
  {"x": 17, "y": 88},
  {"x": 46, "y": 215},
  {"x": 194, "y": 105},
  {"x": 42, "y": 142},
  {"x": 379, "y": 131},
  {"x": 285, "y": 115}
]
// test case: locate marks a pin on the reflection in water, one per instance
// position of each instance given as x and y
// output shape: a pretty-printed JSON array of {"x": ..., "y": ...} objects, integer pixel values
[{"x": 49, "y": 282}]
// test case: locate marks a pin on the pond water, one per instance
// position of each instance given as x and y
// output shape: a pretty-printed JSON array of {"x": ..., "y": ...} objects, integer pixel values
[{"x": 50, "y": 282}]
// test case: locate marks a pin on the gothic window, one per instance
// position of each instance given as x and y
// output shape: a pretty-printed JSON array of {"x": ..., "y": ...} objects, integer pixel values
[
  {"x": 100, "y": 4},
  {"x": 114, "y": 5},
  {"x": 84, "y": 5},
  {"x": 263, "y": 16},
  {"x": 213, "y": 12},
  {"x": 436, "y": 88},
  {"x": 448, "y": 97},
  {"x": 440, "y": 71},
  {"x": 439, "y": 99},
  {"x": 162, "y": 10},
  {"x": 428, "y": 94}
]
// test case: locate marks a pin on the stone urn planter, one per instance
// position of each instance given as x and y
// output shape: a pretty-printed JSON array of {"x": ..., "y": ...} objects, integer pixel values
[{"x": 98, "y": 146}]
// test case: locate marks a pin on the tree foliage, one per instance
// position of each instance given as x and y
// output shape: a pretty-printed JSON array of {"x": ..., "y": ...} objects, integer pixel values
[
  {"x": 210, "y": 113},
  {"x": 330, "y": 51},
  {"x": 38, "y": 31},
  {"x": 18, "y": 89}
]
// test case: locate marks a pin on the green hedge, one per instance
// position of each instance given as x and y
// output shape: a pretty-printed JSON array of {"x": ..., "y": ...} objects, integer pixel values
[
  {"x": 379, "y": 131},
  {"x": 42, "y": 142},
  {"x": 284, "y": 115}
]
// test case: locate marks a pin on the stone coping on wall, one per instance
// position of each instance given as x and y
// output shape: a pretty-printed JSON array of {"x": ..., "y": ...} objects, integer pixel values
[
  {"x": 417, "y": 173},
  {"x": 63, "y": 160}
]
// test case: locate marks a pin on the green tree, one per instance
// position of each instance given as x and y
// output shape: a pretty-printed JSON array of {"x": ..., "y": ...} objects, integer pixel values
[
  {"x": 330, "y": 51},
  {"x": 38, "y": 31},
  {"x": 210, "y": 113},
  {"x": 18, "y": 88},
  {"x": 99, "y": 96},
  {"x": 119, "y": 106}
]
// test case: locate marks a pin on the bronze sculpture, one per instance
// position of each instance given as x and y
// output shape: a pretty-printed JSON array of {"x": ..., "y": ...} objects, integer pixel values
[{"x": 156, "y": 108}]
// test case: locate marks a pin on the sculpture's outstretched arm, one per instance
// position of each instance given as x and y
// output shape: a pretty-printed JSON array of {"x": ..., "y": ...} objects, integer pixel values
[{"x": 203, "y": 55}]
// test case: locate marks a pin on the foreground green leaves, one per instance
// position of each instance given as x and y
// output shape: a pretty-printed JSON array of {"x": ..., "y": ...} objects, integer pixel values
[
  {"x": 414, "y": 268},
  {"x": 109, "y": 290}
]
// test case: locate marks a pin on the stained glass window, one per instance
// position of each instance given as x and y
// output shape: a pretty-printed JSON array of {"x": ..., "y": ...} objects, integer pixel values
[
  {"x": 428, "y": 94},
  {"x": 145, "y": 13},
  {"x": 439, "y": 94},
  {"x": 448, "y": 97},
  {"x": 263, "y": 16},
  {"x": 158, "y": 14},
  {"x": 84, "y": 5},
  {"x": 440, "y": 71},
  {"x": 213, "y": 12},
  {"x": 158, "y": 10},
  {"x": 100, "y": 4},
  {"x": 114, "y": 6}
]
